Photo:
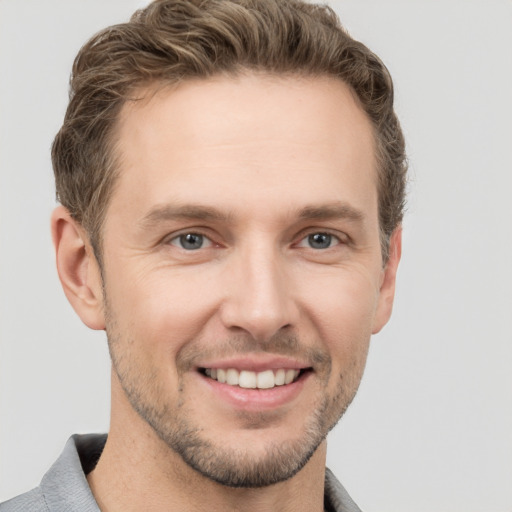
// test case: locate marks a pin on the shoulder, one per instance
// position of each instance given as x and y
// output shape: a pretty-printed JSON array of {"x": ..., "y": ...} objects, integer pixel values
[
  {"x": 32, "y": 501},
  {"x": 64, "y": 487}
]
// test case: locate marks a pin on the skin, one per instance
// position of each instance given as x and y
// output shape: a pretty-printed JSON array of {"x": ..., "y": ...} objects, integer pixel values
[{"x": 256, "y": 164}]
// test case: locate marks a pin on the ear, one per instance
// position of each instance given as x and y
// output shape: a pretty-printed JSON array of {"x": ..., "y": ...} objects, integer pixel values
[
  {"x": 388, "y": 280},
  {"x": 78, "y": 269}
]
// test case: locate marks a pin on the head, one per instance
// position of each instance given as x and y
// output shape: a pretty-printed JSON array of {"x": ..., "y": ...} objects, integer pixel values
[{"x": 233, "y": 174}]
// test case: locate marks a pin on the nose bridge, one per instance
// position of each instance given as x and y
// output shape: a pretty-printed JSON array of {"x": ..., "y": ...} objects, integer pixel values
[{"x": 259, "y": 300}]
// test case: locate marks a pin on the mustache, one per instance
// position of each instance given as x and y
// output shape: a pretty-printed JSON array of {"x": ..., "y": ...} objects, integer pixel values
[{"x": 281, "y": 344}]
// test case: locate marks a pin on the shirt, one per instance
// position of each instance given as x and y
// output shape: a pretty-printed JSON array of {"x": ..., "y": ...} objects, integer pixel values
[{"x": 64, "y": 487}]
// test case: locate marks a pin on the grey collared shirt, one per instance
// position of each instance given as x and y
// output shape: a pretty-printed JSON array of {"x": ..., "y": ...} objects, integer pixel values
[{"x": 64, "y": 487}]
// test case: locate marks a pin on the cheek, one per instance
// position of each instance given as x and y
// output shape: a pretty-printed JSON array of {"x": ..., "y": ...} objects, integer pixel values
[
  {"x": 160, "y": 309},
  {"x": 341, "y": 300},
  {"x": 342, "y": 311}
]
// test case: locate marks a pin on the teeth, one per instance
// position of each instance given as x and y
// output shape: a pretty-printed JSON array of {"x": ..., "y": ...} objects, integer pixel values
[
  {"x": 280, "y": 377},
  {"x": 290, "y": 375},
  {"x": 232, "y": 377},
  {"x": 221, "y": 375},
  {"x": 247, "y": 379},
  {"x": 266, "y": 379},
  {"x": 253, "y": 380}
]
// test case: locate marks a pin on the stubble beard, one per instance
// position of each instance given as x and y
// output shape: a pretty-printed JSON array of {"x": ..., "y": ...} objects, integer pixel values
[{"x": 218, "y": 461}]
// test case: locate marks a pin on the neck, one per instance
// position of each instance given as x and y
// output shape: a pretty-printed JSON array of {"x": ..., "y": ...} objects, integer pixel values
[{"x": 138, "y": 471}]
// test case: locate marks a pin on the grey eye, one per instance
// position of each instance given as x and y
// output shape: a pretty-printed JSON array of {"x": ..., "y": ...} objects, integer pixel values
[
  {"x": 189, "y": 241},
  {"x": 320, "y": 240}
]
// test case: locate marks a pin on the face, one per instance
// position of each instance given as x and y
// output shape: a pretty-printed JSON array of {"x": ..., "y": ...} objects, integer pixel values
[{"x": 242, "y": 269}]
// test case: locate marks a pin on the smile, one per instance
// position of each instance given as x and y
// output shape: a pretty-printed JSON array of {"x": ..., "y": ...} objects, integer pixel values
[{"x": 253, "y": 380}]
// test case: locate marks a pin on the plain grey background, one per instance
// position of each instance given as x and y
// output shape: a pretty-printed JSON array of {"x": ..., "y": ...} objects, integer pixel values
[{"x": 431, "y": 428}]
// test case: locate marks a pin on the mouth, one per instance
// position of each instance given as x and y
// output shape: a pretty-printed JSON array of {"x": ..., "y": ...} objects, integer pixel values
[{"x": 266, "y": 379}]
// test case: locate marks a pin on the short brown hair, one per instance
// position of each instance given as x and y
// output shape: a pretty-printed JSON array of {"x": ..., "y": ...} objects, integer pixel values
[{"x": 174, "y": 40}]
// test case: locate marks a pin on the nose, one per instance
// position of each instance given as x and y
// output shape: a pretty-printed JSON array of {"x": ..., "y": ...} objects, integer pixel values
[{"x": 259, "y": 295}]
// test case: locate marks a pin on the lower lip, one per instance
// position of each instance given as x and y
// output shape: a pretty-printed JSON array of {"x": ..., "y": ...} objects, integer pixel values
[{"x": 257, "y": 399}]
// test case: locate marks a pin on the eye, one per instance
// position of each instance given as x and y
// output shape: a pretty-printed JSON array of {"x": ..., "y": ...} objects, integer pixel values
[
  {"x": 319, "y": 241},
  {"x": 191, "y": 241}
]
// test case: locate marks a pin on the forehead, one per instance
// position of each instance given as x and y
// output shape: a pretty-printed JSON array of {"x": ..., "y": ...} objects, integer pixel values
[{"x": 246, "y": 136}]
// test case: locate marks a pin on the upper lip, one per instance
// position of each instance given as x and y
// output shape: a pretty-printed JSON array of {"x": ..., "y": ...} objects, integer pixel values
[{"x": 255, "y": 363}]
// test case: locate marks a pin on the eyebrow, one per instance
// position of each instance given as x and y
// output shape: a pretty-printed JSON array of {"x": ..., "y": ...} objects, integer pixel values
[
  {"x": 332, "y": 212},
  {"x": 168, "y": 213}
]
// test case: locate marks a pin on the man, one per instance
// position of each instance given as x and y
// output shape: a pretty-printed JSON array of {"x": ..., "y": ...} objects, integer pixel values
[{"x": 231, "y": 175}]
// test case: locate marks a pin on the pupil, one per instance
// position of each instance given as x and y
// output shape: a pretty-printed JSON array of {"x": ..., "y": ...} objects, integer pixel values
[
  {"x": 320, "y": 240},
  {"x": 191, "y": 241}
]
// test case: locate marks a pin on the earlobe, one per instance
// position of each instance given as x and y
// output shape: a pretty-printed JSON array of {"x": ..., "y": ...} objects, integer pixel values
[
  {"x": 387, "y": 288},
  {"x": 78, "y": 268}
]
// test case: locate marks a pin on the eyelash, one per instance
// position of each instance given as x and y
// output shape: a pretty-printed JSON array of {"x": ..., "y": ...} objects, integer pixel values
[
  {"x": 178, "y": 240},
  {"x": 332, "y": 238}
]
